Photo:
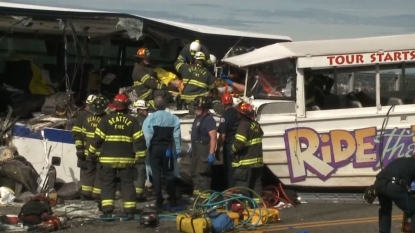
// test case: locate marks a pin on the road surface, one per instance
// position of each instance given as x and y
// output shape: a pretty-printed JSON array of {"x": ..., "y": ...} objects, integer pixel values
[{"x": 310, "y": 218}]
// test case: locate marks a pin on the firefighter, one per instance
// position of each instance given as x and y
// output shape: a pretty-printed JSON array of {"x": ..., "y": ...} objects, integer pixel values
[
  {"x": 121, "y": 144},
  {"x": 140, "y": 112},
  {"x": 189, "y": 51},
  {"x": 247, "y": 151},
  {"x": 90, "y": 184},
  {"x": 392, "y": 186},
  {"x": 226, "y": 130},
  {"x": 197, "y": 80},
  {"x": 146, "y": 84},
  {"x": 203, "y": 138},
  {"x": 162, "y": 133},
  {"x": 79, "y": 138}
]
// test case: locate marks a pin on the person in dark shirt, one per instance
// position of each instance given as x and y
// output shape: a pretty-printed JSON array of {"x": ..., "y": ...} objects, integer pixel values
[
  {"x": 226, "y": 130},
  {"x": 392, "y": 185},
  {"x": 203, "y": 137}
]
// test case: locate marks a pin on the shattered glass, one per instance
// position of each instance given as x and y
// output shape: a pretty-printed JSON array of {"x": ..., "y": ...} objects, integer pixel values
[{"x": 134, "y": 27}]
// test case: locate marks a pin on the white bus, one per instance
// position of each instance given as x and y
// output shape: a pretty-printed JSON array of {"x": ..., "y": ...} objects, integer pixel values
[{"x": 359, "y": 127}]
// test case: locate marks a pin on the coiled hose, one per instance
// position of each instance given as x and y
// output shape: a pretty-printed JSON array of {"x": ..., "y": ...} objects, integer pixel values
[
  {"x": 271, "y": 196},
  {"x": 222, "y": 200},
  {"x": 274, "y": 195}
]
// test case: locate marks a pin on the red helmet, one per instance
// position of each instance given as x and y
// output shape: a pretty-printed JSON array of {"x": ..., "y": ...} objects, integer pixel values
[
  {"x": 143, "y": 53},
  {"x": 246, "y": 110},
  {"x": 120, "y": 102},
  {"x": 226, "y": 99}
]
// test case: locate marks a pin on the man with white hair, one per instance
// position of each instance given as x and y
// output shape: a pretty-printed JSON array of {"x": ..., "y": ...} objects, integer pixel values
[
  {"x": 189, "y": 51},
  {"x": 78, "y": 135}
]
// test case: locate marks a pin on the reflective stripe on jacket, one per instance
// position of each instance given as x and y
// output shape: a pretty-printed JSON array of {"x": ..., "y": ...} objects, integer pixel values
[
  {"x": 120, "y": 138},
  {"x": 197, "y": 80},
  {"x": 247, "y": 145}
]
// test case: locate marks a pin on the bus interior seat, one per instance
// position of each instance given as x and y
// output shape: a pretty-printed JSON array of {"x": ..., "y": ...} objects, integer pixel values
[
  {"x": 356, "y": 104},
  {"x": 394, "y": 101},
  {"x": 315, "y": 108}
]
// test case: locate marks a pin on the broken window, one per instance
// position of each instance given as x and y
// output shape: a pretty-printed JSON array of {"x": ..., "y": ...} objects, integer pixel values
[{"x": 272, "y": 80}]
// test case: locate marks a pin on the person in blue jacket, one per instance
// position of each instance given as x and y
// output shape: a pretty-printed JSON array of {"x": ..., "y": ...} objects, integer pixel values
[{"x": 162, "y": 133}]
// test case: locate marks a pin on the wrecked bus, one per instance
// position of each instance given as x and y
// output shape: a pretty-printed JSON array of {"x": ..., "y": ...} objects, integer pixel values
[{"x": 52, "y": 58}]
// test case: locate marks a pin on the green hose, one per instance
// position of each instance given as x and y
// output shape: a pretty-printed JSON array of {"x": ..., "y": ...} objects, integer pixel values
[{"x": 218, "y": 200}]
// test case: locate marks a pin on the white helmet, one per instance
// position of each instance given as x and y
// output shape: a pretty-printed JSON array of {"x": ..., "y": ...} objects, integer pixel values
[
  {"x": 195, "y": 46},
  {"x": 213, "y": 59},
  {"x": 140, "y": 104},
  {"x": 90, "y": 99},
  {"x": 200, "y": 56}
]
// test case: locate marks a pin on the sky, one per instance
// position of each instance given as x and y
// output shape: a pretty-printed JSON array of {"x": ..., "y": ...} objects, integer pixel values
[{"x": 298, "y": 19}]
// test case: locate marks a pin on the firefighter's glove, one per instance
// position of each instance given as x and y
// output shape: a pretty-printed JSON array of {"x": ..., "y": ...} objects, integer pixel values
[
  {"x": 223, "y": 76},
  {"x": 80, "y": 154},
  {"x": 168, "y": 153},
  {"x": 229, "y": 82},
  {"x": 190, "y": 152},
  {"x": 93, "y": 157},
  {"x": 211, "y": 159}
]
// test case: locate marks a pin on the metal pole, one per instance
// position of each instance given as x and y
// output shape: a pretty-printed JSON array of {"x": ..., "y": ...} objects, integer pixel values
[
  {"x": 351, "y": 82},
  {"x": 378, "y": 105}
]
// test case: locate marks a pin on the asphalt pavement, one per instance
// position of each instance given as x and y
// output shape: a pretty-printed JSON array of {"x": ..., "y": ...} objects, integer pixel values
[{"x": 305, "y": 218}]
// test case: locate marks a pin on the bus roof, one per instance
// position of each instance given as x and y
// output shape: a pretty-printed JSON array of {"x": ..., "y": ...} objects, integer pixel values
[
  {"x": 323, "y": 48},
  {"x": 60, "y": 7}
]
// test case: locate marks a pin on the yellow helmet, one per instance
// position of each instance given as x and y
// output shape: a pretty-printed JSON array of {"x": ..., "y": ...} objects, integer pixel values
[{"x": 200, "y": 56}]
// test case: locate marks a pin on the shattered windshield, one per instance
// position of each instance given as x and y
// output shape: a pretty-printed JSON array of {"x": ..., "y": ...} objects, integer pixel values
[{"x": 272, "y": 80}]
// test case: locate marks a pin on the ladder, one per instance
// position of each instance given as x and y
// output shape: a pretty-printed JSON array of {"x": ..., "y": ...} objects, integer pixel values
[{"x": 338, "y": 198}]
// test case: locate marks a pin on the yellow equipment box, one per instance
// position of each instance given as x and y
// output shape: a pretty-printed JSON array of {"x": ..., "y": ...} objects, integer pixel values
[
  {"x": 273, "y": 215},
  {"x": 187, "y": 224}
]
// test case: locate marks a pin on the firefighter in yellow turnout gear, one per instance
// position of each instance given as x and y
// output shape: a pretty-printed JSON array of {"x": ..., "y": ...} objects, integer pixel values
[
  {"x": 197, "y": 80},
  {"x": 79, "y": 137},
  {"x": 91, "y": 183},
  {"x": 140, "y": 112},
  {"x": 247, "y": 150},
  {"x": 122, "y": 143},
  {"x": 146, "y": 84}
]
